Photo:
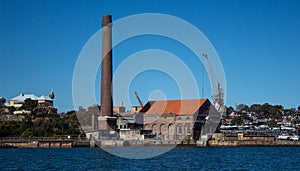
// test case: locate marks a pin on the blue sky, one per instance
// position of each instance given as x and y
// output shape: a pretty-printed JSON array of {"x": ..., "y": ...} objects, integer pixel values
[{"x": 257, "y": 41}]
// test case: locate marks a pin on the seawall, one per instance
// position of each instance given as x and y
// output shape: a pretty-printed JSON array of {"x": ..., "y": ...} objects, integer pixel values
[
  {"x": 253, "y": 143},
  {"x": 42, "y": 143},
  {"x": 141, "y": 143}
]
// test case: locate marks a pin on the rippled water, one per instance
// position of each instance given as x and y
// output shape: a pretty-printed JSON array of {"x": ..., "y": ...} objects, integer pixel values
[{"x": 180, "y": 158}]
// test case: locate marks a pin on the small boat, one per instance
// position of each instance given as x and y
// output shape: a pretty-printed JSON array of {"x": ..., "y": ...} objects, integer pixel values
[
  {"x": 283, "y": 137},
  {"x": 294, "y": 138}
]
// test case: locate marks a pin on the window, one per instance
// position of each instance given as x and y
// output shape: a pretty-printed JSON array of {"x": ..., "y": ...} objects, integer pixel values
[
  {"x": 179, "y": 118},
  {"x": 188, "y": 130},
  {"x": 188, "y": 118},
  {"x": 179, "y": 130}
]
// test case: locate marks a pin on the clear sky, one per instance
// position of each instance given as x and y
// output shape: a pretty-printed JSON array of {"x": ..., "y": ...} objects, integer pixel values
[{"x": 258, "y": 42}]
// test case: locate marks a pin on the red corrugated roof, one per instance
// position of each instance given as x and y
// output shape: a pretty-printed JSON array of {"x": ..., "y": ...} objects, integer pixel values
[{"x": 176, "y": 106}]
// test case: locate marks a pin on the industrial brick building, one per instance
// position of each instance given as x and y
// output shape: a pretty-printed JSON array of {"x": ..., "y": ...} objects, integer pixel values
[{"x": 176, "y": 119}]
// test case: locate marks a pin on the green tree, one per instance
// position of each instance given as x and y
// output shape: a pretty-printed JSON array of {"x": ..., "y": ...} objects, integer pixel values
[
  {"x": 11, "y": 109},
  {"x": 229, "y": 110},
  {"x": 27, "y": 133},
  {"x": 272, "y": 123},
  {"x": 237, "y": 120},
  {"x": 242, "y": 107},
  {"x": 29, "y": 105},
  {"x": 255, "y": 108},
  {"x": 10, "y": 128}
]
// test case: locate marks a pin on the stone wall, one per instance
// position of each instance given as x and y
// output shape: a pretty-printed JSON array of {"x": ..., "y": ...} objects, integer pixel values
[
  {"x": 253, "y": 143},
  {"x": 36, "y": 144},
  {"x": 170, "y": 126}
]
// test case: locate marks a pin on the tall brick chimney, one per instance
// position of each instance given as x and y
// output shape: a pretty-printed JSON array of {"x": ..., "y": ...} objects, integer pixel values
[
  {"x": 106, "y": 73},
  {"x": 106, "y": 121}
]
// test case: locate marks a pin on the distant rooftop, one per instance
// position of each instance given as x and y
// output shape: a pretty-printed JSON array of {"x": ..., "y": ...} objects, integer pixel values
[
  {"x": 177, "y": 107},
  {"x": 43, "y": 97},
  {"x": 23, "y": 97}
]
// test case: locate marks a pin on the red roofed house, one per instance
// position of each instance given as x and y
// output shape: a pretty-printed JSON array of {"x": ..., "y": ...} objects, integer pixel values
[{"x": 175, "y": 119}]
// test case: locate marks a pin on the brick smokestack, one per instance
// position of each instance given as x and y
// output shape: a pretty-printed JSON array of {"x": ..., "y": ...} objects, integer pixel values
[{"x": 106, "y": 73}]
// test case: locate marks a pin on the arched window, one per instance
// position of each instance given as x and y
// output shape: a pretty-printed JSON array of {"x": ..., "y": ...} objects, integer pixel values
[
  {"x": 155, "y": 128},
  {"x": 163, "y": 129},
  {"x": 179, "y": 130},
  {"x": 188, "y": 118},
  {"x": 179, "y": 118},
  {"x": 188, "y": 130}
]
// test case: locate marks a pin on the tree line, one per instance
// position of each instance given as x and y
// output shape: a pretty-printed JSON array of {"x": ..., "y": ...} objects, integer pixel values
[
  {"x": 42, "y": 121},
  {"x": 263, "y": 111}
]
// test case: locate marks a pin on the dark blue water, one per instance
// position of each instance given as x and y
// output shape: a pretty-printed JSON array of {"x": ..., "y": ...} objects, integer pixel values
[{"x": 180, "y": 158}]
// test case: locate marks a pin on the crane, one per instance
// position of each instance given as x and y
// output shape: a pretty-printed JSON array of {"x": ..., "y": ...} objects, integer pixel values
[
  {"x": 213, "y": 118},
  {"x": 138, "y": 98},
  {"x": 218, "y": 95}
]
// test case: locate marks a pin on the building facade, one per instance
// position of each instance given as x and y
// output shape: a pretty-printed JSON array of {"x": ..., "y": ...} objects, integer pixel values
[
  {"x": 43, "y": 101},
  {"x": 175, "y": 119}
]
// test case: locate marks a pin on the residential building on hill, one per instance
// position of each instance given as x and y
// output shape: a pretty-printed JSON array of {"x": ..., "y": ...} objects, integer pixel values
[{"x": 43, "y": 101}]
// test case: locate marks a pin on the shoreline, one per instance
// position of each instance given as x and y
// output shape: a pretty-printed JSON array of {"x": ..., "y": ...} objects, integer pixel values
[{"x": 139, "y": 143}]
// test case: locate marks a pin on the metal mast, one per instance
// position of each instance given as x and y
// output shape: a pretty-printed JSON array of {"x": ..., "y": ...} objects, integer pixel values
[{"x": 138, "y": 98}]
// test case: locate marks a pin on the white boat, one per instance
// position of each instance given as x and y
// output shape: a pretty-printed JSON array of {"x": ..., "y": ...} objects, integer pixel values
[
  {"x": 294, "y": 138},
  {"x": 287, "y": 128},
  {"x": 229, "y": 127},
  {"x": 283, "y": 137}
]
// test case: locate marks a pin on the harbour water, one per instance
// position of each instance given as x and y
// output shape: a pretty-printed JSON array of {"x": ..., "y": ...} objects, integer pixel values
[{"x": 179, "y": 158}]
